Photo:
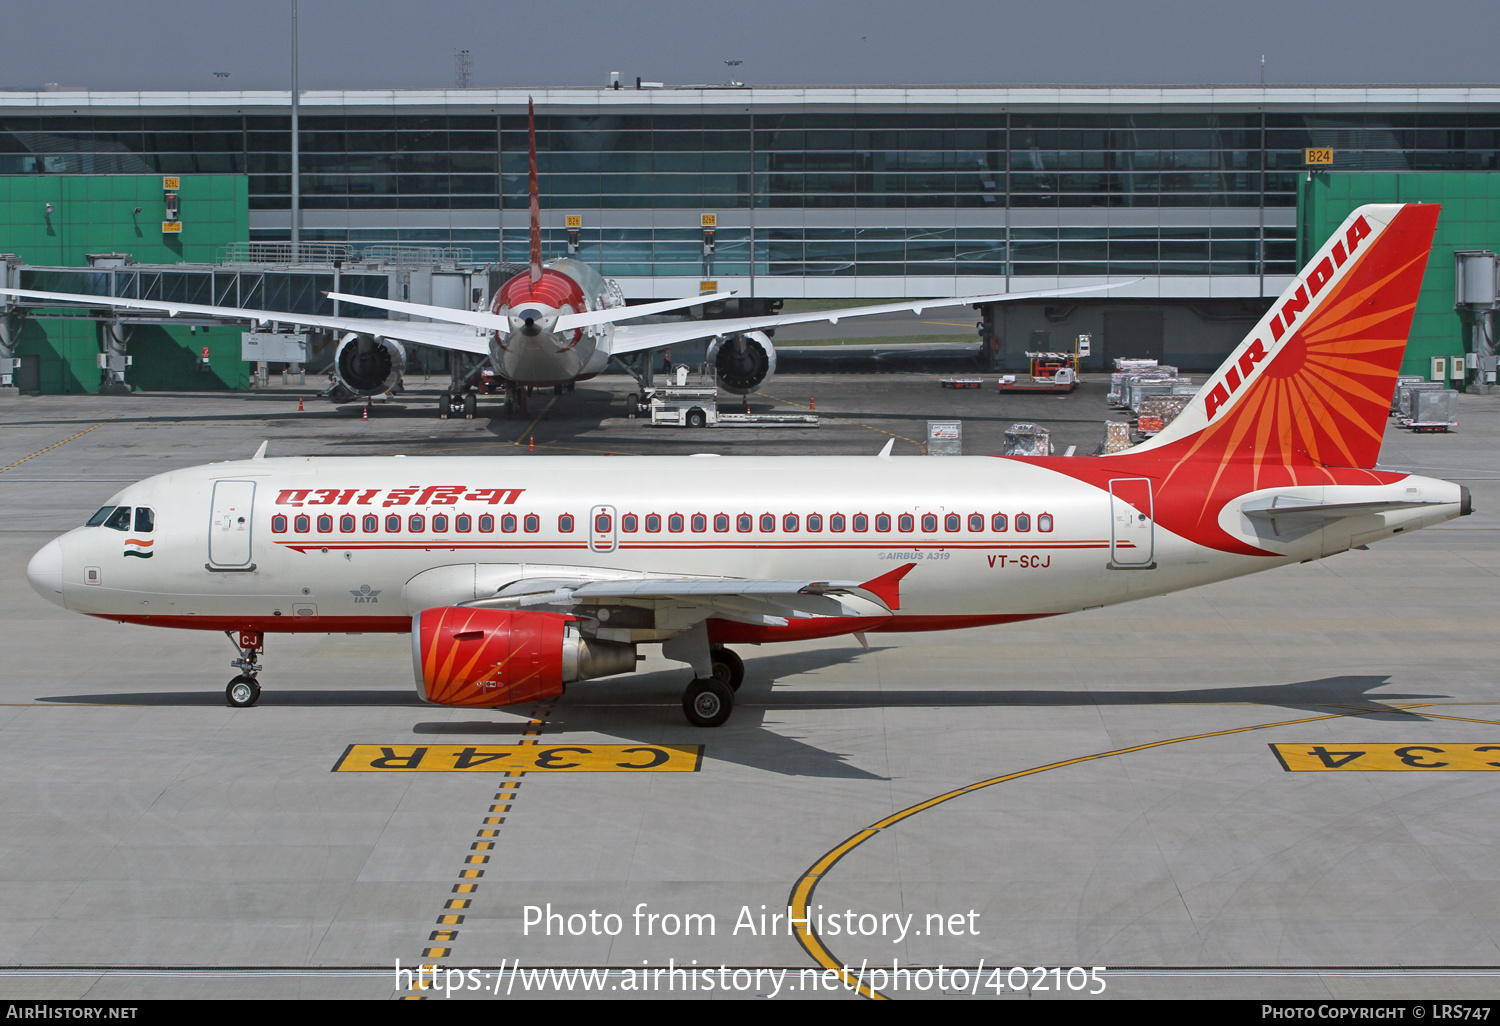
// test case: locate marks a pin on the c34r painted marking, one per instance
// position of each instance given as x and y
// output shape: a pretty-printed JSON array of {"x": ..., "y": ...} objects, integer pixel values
[{"x": 529, "y": 758}]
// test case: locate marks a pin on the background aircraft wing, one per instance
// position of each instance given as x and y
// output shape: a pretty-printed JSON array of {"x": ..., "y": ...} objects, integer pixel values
[
  {"x": 632, "y": 338},
  {"x": 438, "y": 335}
]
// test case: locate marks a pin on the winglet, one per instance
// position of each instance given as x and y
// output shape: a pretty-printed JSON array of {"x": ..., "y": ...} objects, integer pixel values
[
  {"x": 887, "y": 587},
  {"x": 536, "y": 203},
  {"x": 885, "y": 453},
  {"x": 260, "y": 453}
]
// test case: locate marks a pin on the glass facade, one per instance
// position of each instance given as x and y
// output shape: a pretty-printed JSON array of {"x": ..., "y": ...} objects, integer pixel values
[{"x": 984, "y": 167}]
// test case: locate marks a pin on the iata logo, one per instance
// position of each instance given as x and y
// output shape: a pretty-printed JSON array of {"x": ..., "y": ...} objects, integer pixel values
[
  {"x": 1285, "y": 318},
  {"x": 366, "y": 594}
]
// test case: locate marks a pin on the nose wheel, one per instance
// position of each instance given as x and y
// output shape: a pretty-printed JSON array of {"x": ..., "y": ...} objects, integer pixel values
[{"x": 244, "y": 690}]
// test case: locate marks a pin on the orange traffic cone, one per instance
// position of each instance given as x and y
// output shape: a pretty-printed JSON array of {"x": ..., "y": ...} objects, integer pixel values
[
  {"x": 531, "y": 443},
  {"x": 812, "y": 403},
  {"x": 366, "y": 414},
  {"x": 299, "y": 406}
]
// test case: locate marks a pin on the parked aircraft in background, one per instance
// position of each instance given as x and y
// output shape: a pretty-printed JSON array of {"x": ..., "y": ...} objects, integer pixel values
[
  {"x": 515, "y": 577},
  {"x": 555, "y": 323}
]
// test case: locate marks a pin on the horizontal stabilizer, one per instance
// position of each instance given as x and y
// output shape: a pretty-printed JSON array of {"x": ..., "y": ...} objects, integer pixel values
[
  {"x": 1282, "y": 508},
  {"x": 493, "y": 322}
]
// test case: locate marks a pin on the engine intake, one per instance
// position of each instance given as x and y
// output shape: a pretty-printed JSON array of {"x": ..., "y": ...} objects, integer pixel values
[
  {"x": 369, "y": 364},
  {"x": 743, "y": 362},
  {"x": 490, "y": 657}
]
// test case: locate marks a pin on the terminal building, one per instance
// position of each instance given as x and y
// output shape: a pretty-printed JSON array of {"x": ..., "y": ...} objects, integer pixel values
[{"x": 814, "y": 194}]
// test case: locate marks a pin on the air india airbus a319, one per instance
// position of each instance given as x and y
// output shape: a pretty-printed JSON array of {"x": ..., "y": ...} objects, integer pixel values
[{"x": 516, "y": 576}]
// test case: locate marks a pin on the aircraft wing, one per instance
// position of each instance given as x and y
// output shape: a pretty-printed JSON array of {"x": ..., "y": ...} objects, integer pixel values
[
  {"x": 438, "y": 335},
  {"x": 681, "y": 602},
  {"x": 632, "y": 338}
]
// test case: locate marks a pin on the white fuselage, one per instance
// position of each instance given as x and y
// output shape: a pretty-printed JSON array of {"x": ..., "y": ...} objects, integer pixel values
[{"x": 228, "y": 550}]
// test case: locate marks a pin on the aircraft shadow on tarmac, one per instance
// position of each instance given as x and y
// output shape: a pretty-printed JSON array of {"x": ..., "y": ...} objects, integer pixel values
[{"x": 634, "y": 710}]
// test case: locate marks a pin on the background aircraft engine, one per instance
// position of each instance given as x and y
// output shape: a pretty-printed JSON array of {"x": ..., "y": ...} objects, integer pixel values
[
  {"x": 488, "y": 657},
  {"x": 369, "y": 364},
  {"x": 743, "y": 362}
]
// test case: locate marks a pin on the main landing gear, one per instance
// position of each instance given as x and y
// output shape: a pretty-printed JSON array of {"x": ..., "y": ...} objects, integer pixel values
[
  {"x": 708, "y": 701},
  {"x": 244, "y": 690}
]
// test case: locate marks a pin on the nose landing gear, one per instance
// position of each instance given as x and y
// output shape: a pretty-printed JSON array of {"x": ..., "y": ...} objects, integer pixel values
[{"x": 244, "y": 690}]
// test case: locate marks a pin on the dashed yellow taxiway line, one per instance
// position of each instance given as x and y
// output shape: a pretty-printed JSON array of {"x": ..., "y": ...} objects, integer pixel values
[{"x": 802, "y": 890}]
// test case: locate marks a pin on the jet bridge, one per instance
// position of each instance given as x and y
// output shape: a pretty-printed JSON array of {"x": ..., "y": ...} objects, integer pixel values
[{"x": 252, "y": 276}]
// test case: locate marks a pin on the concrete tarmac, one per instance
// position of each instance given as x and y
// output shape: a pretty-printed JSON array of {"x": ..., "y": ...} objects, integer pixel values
[{"x": 157, "y": 843}]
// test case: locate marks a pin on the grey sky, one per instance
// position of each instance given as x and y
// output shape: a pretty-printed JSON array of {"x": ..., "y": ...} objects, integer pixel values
[{"x": 173, "y": 44}]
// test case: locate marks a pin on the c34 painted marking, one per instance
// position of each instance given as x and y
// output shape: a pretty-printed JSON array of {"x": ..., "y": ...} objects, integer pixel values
[
  {"x": 529, "y": 758},
  {"x": 1385, "y": 758}
]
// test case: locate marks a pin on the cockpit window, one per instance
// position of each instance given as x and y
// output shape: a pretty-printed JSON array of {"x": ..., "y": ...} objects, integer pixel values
[
  {"x": 145, "y": 520},
  {"x": 119, "y": 520},
  {"x": 99, "y": 517}
]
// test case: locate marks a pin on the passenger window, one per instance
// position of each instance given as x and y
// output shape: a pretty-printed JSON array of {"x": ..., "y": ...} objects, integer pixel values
[
  {"x": 836, "y": 522},
  {"x": 463, "y": 523},
  {"x": 417, "y": 524},
  {"x": 486, "y": 523},
  {"x": 629, "y": 523},
  {"x": 325, "y": 524},
  {"x": 721, "y": 522},
  {"x": 440, "y": 521},
  {"x": 119, "y": 520},
  {"x": 700, "y": 523},
  {"x": 1044, "y": 521},
  {"x": 976, "y": 521},
  {"x": 99, "y": 517},
  {"x": 929, "y": 523},
  {"x": 278, "y": 524},
  {"x": 372, "y": 523},
  {"x": 532, "y": 523},
  {"x": 815, "y": 522},
  {"x": 674, "y": 523},
  {"x": 882, "y": 521},
  {"x": 393, "y": 524},
  {"x": 145, "y": 520},
  {"x": 861, "y": 522},
  {"x": 1023, "y": 522},
  {"x": 768, "y": 522},
  {"x": 601, "y": 523},
  {"x": 346, "y": 523},
  {"x": 508, "y": 523},
  {"x": 653, "y": 522},
  {"x": 789, "y": 522},
  {"x": 744, "y": 523},
  {"x": 997, "y": 522},
  {"x": 301, "y": 524},
  {"x": 952, "y": 522},
  {"x": 906, "y": 522},
  {"x": 565, "y": 523}
]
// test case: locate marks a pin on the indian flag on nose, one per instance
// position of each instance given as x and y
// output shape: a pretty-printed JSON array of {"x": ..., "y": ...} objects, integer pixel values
[{"x": 138, "y": 547}]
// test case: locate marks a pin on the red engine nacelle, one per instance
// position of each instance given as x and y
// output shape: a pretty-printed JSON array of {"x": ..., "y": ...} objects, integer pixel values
[{"x": 489, "y": 657}]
